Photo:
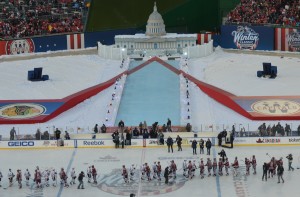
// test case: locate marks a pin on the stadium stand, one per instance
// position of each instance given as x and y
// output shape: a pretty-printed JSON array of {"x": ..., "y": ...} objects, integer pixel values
[
  {"x": 25, "y": 18},
  {"x": 283, "y": 12}
]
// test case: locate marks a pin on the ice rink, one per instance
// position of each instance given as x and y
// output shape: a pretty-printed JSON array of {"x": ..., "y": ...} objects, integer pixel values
[{"x": 108, "y": 163}]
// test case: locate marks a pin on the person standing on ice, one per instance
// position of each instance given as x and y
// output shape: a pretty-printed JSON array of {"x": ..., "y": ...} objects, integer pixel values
[
  {"x": 170, "y": 143},
  {"x": 27, "y": 176},
  {"x": 10, "y": 176},
  {"x": 12, "y": 133},
  {"x": 194, "y": 147},
  {"x": 280, "y": 171},
  {"x": 80, "y": 179},
  {"x": 19, "y": 178},
  {"x": 179, "y": 142},
  {"x": 208, "y": 146},
  {"x": 265, "y": 171},
  {"x": 290, "y": 161},
  {"x": 235, "y": 166}
]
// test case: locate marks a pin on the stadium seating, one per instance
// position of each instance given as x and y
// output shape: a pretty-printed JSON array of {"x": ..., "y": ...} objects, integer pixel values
[
  {"x": 284, "y": 12},
  {"x": 38, "y": 17}
]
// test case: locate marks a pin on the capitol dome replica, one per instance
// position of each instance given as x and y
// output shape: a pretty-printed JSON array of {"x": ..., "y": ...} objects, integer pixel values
[
  {"x": 155, "y": 25},
  {"x": 155, "y": 42}
]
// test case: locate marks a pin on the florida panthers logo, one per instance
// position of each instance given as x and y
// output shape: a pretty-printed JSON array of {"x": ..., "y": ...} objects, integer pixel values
[
  {"x": 245, "y": 38},
  {"x": 14, "y": 47}
]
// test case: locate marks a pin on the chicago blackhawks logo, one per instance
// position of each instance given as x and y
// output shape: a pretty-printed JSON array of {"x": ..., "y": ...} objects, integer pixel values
[
  {"x": 245, "y": 38},
  {"x": 276, "y": 107},
  {"x": 113, "y": 183},
  {"x": 21, "y": 111},
  {"x": 14, "y": 47}
]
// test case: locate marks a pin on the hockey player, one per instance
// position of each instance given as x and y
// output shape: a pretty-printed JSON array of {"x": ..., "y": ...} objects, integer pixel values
[
  {"x": 63, "y": 177},
  {"x": 253, "y": 162},
  {"x": 89, "y": 173},
  {"x": 173, "y": 168},
  {"x": 54, "y": 177},
  {"x": 148, "y": 171},
  {"x": 143, "y": 171},
  {"x": 221, "y": 165},
  {"x": 73, "y": 176},
  {"x": 201, "y": 166},
  {"x": 271, "y": 167},
  {"x": 247, "y": 164},
  {"x": 209, "y": 166},
  {"x": 235, "y": 166},
  {"x": 1, "y": 176},
  {"x": 184, "y": 168},
  {"x": 191, "y": 170},
  {"x": 10, "y": 176},
  {"x": 158, "y": 169},
  {"x": 94, "y": 174},
  {"x": 19, "y": 178},
  {"x": 27, "y": 176},
  {"x": 125, "y": 174},
  {"x": 154, "y": 170},
  {"x": 132, "y": 171},
  {"x": 46, "y": 175},
  {"x": 38, "y": 178},
  {"x": 226, "y": 164},
  {"x": 215, "y": 164}
]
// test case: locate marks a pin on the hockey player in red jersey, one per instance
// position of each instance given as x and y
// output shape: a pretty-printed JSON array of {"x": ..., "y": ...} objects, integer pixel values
[
  {"x": 158, "y": 169},
  {"x": 248, "y": 165},
  {"x": 173, "y": 169},
  {"x": 209, "y": 166},
  {"x": 271, "y": 167},
  {"x": 201, "y": 166},
  {"x": 253, "y": 162},
  {"x": 221, "y": 165},
  {"x": 215, "y": 164},
  {"x": 226, "y": 164},
  {"x": 19, "y": 178},
  {"x": 148, "y": 171},
  {"x": 63, "y": 177},
  {"x": 38, "y": 178},
  {"x": 94, "y": 174},
  {"x": 235, "y": 166},
  {"x": 125, "y": 174}
]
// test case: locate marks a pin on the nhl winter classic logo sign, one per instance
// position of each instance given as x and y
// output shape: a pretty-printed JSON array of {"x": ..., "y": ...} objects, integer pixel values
[
  {"x": 294, "y": 40},
  {"x": 14, "y": 47},
  {"x": 245, "y": 38}
]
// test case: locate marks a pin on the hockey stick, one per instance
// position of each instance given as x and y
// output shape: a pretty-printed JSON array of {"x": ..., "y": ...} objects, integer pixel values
[
  {"x": 269, "y": 155},
  {"x": 10, "y": 185}
]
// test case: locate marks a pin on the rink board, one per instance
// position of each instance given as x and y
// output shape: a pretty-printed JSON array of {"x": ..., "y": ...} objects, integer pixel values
[{"x": 139, "y": 143}]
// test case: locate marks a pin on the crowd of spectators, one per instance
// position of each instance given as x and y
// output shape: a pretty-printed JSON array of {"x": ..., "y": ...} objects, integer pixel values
[
  {"x": 281, "y": 12},
  {"x": 24, "y": 18}
]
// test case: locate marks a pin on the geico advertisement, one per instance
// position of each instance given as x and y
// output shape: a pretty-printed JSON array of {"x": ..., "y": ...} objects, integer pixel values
[{"x": 12, "y": 144}]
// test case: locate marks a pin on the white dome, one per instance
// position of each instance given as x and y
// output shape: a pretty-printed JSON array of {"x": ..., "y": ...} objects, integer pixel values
[{"x": 155, "y": 25}]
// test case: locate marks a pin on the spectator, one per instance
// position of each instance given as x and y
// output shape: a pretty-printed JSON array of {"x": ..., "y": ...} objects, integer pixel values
[
  {"x": 46, "y": 135},
  {"x": 179, "y": 142},
  {"x": 135, "y": 132},
  {"x": 298, "y": 130},
  {"x": 12, "y": 133},
  {"x": 38, "y": 135},
  {"x": 287, "y": 130},
  {"x": 169, "y": 125},
  {"x": 96, "y": 128},
  {"x": 67, "y": 136},
  {"x": 103, "y": 129},
  {"x": 128, "y": 137},
  {"x": 57, "y": 133},
  {"x": 188, "y": 127}
]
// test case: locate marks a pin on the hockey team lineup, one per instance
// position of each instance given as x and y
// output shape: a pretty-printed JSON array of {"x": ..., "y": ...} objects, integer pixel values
[{"x": 148, "y": 172}]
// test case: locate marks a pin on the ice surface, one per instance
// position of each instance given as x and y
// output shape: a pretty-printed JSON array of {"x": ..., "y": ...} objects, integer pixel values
[{"x": 108, "y": 163}]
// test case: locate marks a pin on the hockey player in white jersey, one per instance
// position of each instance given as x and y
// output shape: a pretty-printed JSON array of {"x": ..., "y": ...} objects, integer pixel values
[
  {"x": 1, "y": 176},
  {"x": 143, "y": 171},
  {"x": 132, "y": 171},
  {"x": 154, "y": 170},
  {"x": 46, "y": 175},
  {"x": 27, "y": 176},
  {"x": 185, "y": 168},
  {"x": 54, "y": 177},
  {"x": 73, "y": 176},
  {"x": 89, "y": 174},
  {"x": 10, "y": 177}
]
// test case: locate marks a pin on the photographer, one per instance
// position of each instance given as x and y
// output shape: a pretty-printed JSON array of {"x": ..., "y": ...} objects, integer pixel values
[
  {"x": 170, "y": 144},
  {"x": 222, "y": 154},
  {"x": 80, "y": 179},
  {"x": 179, "y": 142},
  {"x": 290, "y": 161}
]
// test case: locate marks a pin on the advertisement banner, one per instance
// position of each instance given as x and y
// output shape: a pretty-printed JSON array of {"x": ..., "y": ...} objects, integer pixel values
[
  {"x": 94, "y": 144},
  {"x": 247, "y": 37},
  {"x": 36, "y": 144},
  {"x": 287, "y": 39}
]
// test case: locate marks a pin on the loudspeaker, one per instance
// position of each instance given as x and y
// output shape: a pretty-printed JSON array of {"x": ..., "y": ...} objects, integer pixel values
[
  {"x": 38, "y": 73},
  {"x": 30, "y": 75},
  {"x": 45, "y": 77},
  {"x": 267, "y": 68},
  {"x": 259, "y": 73}
]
